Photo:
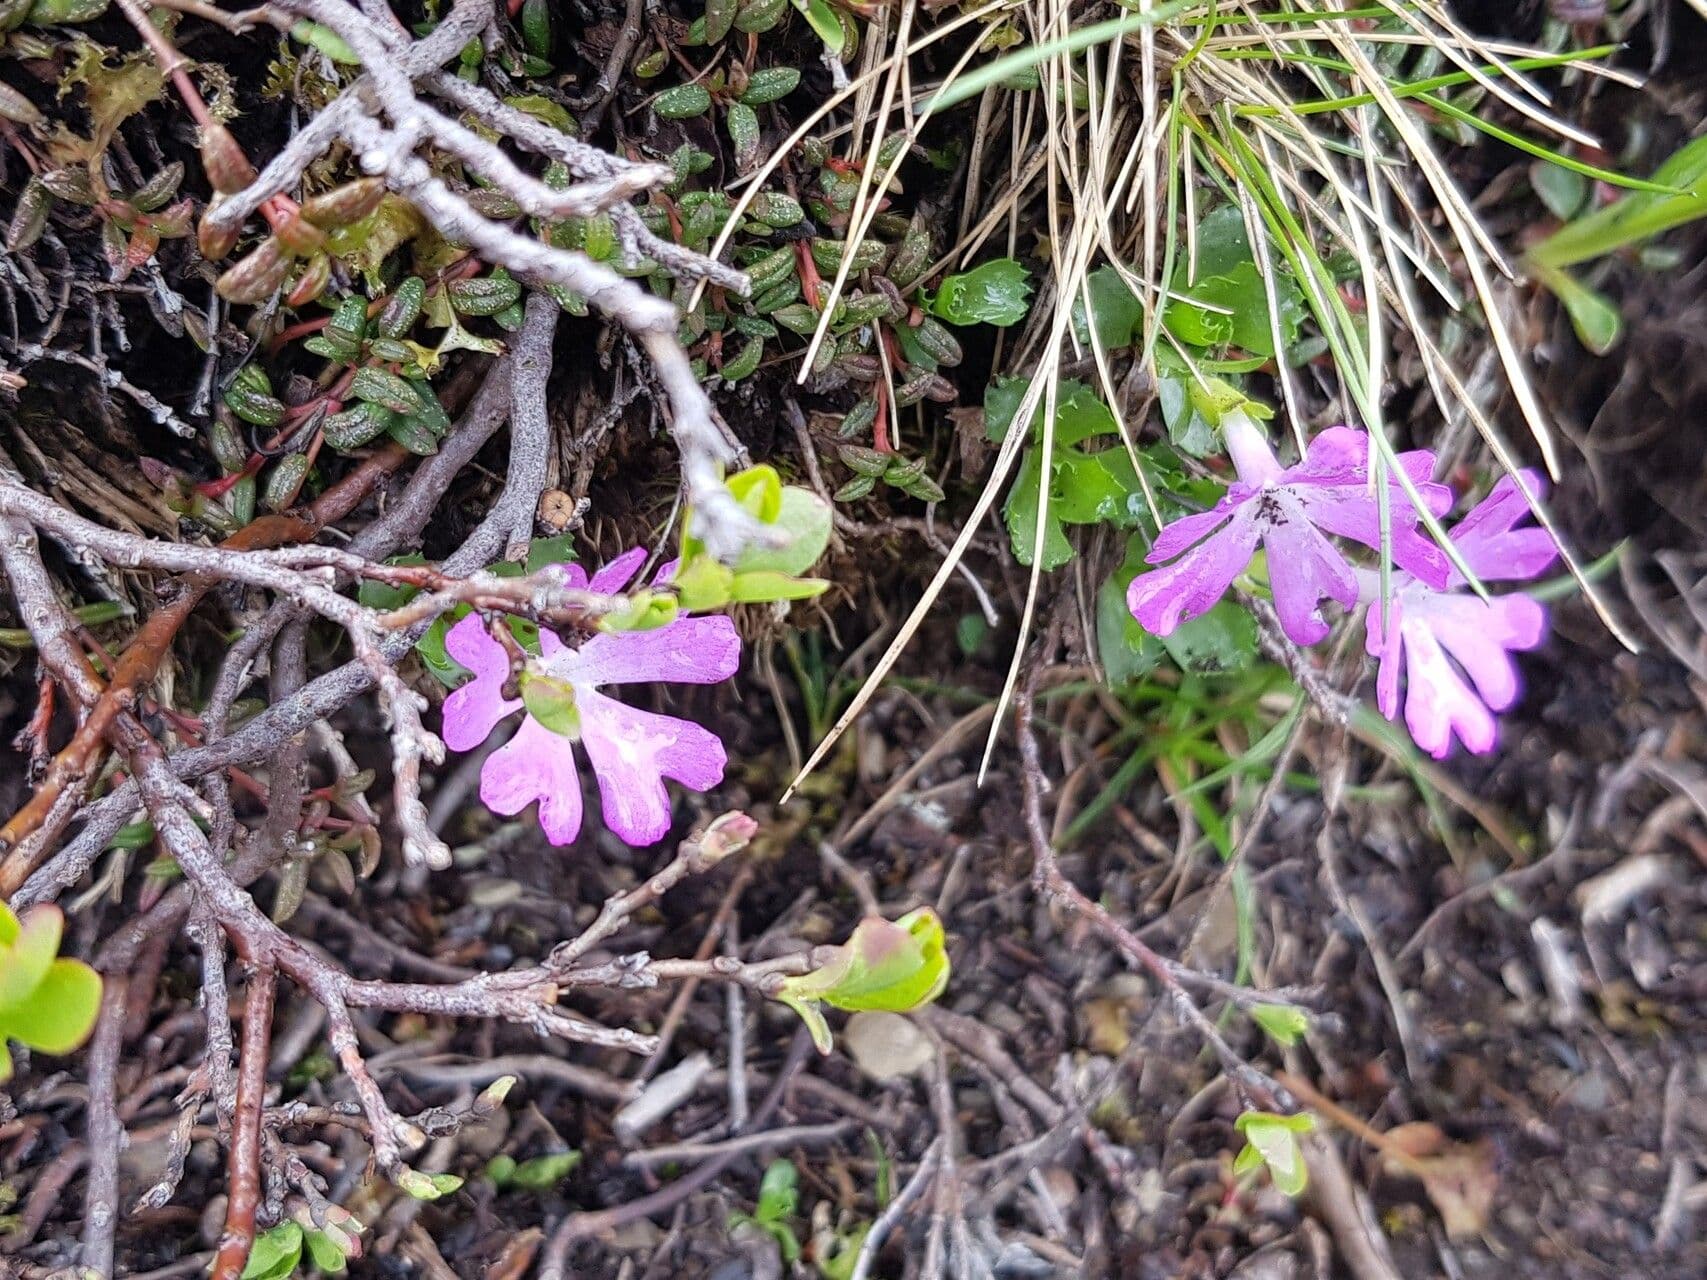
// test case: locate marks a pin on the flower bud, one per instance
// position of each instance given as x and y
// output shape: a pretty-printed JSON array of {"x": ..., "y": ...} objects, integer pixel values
[
  {"x": 257, "y": 277},
  {"x": 346, "y": 204},
  {"x": 228, "y": 169}
]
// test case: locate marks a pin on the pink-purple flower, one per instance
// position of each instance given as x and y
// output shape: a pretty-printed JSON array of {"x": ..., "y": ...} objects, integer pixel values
[
  {"x": 631, "y": 751},
  {"x": 1452, "y": 649},
  {"x": 1290, "y": 511}
]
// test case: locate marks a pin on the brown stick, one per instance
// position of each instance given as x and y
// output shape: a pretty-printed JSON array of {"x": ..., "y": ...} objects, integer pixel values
[
  {"x": 244, "y": 1167},
  {"x": 101, "y": 1195}
]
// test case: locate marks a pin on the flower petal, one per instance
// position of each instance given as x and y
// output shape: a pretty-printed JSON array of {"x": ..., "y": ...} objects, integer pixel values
[
  {"x": 633, "y": 751},
  {"x": 1187, "y": 532},
  {"x": 1505, "y": 507},
  {"x": 472, "y": 711},
  {"x": 1353, "y": 512},
  {"x": 1490, "y": 541},
  {"x": 536, "y": 764},
  {"x": 1387, "y": 646},
  {"x": 1481, "y": 636},
  {"x": 688, "y": 651},
  {"x": 1438, "y": 702},
  {"x": 1335, "y": 455},
  {"x": 619, "y": 572},
  {"x": 1303, "y": 568},
  {"x": 1161, "y": 599}
]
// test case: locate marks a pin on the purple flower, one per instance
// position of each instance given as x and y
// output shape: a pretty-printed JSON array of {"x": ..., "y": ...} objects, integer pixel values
[
  {"x": 1452, "y": 648},
  {"x": 631, "y": 751},
  {"x": 1289, "y": 511}
]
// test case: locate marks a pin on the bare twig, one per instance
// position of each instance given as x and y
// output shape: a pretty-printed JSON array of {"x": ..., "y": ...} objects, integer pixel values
[{"x": 244, "y": 1168}]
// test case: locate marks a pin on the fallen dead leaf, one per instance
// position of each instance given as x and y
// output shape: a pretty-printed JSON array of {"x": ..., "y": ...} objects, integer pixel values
[{"x": 1460, "y": 1178}]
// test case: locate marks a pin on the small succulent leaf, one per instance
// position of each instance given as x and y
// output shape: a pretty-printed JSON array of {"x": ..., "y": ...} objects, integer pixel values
[
  {"x": 759, "y": 490},
  {"x": 779, "y": 1192},
  {"x": 542, "y": 1173},
  {"x": 327, "y": 1256},
  {"x": 25, "y": 963},
  {"x": 1284, "y": 1024},
  {"x": 60, "y": 1013},
  {"x": 683, "y": 102},
  {"x": 275, "y": 1253}
]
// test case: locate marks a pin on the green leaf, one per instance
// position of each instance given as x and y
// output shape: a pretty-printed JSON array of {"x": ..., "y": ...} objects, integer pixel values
[
  {"x": 9, "y": 926},
  {"x": 548, "y": 551},
  {"x": 743, "y": 125},
  {"x": 24, "y": 964},
  {"x": 552, "y": 703},
  {"x": 326, "y": 40},
  {"x": 770, "y": 84},
  {"x": 1128, "y": 652},
  {"x": 779, "y": 1192},
  {"x": 1284, "y": 1023},
  {"x": 745, "y": 361},
  {"x": 1274, "y": 1138},
  {"x": 327, "y": 1255},
  {"x": 970, "y": 633},
  {"x": 997, "y": 293},
  {"x": 1563, "y": 191},
  {"x": 427, "y": 1186},
  {"x": 897, "y": 967},
  {"x": 777, "y": 209},
  {"x": 702, "y": 583},
  {"x": 60, "y": 1013},
  {"x": 1594, "y": 316},
  {"x": 759, "y": 490},
  {"x": 763, "y": 587},
  {"x": 683, "y": 102},
  {"x": 1115, "y": 310},
  {"x": 1188, "y": 430},
  {"x": 542, "y": 1173},
  {"x": 1635, "y": 217},
  {"x": 1002, "y": 399},
  {"x": 431, "y": 648},
  {"x": 822, "y": 19},
  {"x": 1226, "y": 302},
  {"x": 1020, "y": 514},
  {"x": 275, "y": 1253},
  {"x": 383, "y": 595},
  {"x": 1219, "y": 642},
  {"x": 1081, "y": 414},
  {"x": 807, "y": 520},
  {"x": 719, "y": 17}
]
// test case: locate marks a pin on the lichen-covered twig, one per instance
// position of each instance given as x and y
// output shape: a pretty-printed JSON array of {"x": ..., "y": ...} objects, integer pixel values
[{"x": 388, "y": 93}]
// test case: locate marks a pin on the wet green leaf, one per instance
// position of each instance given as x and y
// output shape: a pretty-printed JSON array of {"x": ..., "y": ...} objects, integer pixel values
[
  {"x": 997, "y": 293},
  {"x": 1272, "y": 1141},
  {"x": 770, "y": 84},
  {"x": 683, "y": 102}
]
